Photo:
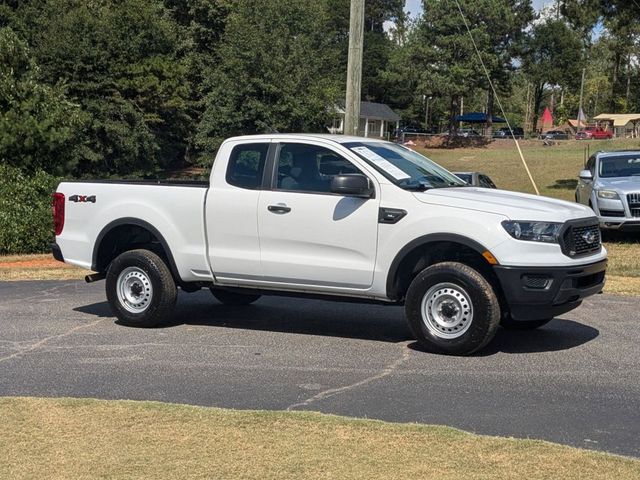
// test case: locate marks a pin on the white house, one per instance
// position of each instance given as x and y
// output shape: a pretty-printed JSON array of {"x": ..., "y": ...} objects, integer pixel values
[{"x": 376, "y": 120}]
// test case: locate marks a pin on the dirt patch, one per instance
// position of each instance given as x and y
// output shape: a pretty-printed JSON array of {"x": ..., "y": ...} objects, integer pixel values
[{"x": 35, "y": 263}]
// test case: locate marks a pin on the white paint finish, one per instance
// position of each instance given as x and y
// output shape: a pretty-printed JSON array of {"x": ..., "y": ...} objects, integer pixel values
[
  {"x": 327, "y": 243},
  {"x": 324, "y": 239},
  {"x": 175, "y": 211},
  {"x": 232, "y": 224}
]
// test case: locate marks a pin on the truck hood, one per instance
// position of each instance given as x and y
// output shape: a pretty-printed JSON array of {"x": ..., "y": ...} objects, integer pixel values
[
  {"x": 513, "y": 205},
  {"x": 624, "y": 185}
]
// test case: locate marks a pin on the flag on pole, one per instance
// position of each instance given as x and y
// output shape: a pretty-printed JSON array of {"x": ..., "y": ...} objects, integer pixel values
[{"x": 581, "y": 118}]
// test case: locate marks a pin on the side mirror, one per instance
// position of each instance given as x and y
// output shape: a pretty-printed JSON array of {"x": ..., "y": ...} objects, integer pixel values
[
  {"x": 586, "y": 175},
  {"x": 354, "y": 185}
]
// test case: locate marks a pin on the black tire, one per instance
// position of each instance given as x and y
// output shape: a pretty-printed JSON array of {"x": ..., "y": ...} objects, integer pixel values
[
  {"x": 149, "y": 277},
  {"x": 511, "y": 324},
  {"x": 482, "y": 308},
  {"x": 234, "y": 299}
]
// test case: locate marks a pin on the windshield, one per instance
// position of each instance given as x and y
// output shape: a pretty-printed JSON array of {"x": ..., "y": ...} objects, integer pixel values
[
  {"x": 622, "y": 166},
  {"x": 403, "y": 166}
]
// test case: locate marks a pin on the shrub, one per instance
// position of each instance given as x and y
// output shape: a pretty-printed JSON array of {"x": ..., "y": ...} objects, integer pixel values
[{"x": 26, "y": 223}]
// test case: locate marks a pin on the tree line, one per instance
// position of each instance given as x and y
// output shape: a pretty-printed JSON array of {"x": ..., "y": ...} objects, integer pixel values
[{"x": 142, "y": 87}]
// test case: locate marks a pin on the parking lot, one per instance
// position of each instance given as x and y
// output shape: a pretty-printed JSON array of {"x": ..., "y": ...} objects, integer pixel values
[{"x": 575, "y": 381}]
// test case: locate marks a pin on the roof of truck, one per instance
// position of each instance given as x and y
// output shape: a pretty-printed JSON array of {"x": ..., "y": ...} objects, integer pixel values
[{"x": 330, "y": 137}]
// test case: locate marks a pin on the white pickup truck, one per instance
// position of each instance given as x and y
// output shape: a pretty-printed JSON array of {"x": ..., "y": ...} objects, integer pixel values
[{"x": 339, "y": 218}]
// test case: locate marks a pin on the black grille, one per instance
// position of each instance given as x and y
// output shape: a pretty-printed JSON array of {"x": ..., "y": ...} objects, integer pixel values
[
  {"x": 612, "y": 213},
  {"x": 634, "y": 204},
  {"x": 536, "y": 281},
  {"x": 575, "y": 239}
]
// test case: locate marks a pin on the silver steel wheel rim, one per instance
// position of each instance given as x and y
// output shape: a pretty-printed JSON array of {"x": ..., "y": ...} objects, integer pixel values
[
  {"x": 134, "y": 289},
  {"x": 447, "y": 311}
]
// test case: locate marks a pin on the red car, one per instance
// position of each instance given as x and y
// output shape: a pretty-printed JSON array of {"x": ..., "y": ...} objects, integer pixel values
[{"x": 594, "y": 133}]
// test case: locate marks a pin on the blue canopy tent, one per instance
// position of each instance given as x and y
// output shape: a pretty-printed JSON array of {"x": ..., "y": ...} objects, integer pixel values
[{"x": 477, "y": 117}]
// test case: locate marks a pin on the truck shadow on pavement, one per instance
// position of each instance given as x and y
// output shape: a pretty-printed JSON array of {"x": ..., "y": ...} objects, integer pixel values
[
  {"x": 559, "y": 334},
  {"x": 344, "y": 320}
]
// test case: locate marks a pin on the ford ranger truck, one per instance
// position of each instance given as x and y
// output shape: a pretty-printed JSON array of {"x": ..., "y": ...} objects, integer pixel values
[{"x": 335, "y": 218}]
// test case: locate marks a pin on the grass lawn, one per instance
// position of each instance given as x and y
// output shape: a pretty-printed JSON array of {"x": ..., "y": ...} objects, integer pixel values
[
  {"x": 555, "y": 169},
  {"x": 65, "y": 438}
]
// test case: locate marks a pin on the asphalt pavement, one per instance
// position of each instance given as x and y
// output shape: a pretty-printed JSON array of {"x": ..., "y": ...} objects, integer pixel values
[{"x": 575, "y": 381}]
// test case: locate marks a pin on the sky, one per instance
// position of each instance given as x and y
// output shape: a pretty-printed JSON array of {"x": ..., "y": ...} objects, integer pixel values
[{"x": 415, "y": 6}]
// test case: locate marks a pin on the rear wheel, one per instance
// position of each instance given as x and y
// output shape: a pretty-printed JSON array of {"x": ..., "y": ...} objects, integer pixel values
[
  {"x": 140, "y": 289},
  {"x": 451, "y": 308},
  {"x": 511, "y": 324},
  {"x": 234, "y": 299}
]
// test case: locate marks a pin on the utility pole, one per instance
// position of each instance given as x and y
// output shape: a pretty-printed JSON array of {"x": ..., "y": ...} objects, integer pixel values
[
  {"x": 354, "y": 68},
  {"x": 580, "y": 112}
]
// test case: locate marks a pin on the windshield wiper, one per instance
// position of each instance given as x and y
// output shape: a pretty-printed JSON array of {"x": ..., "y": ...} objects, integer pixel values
[{"x": 421, "y": 186}]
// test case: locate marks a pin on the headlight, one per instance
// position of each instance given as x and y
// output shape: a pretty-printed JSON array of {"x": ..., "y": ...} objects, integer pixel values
[
  {"x": 533, "y": 231},
  {"x": 608, "y": 194}
]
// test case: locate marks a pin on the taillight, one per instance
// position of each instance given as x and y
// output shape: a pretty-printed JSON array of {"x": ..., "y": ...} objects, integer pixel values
[{"x": 58, "y": 212}]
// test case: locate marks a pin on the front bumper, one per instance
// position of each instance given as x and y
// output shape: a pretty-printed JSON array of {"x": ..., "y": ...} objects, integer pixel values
[
  {"x": 536, "y": 293},
  {"x": 621, "y": 224}
]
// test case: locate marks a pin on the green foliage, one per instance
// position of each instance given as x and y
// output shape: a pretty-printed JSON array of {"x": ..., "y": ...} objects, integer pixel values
[
  {"x": 25, "y": 210},
  {"x": 443, "y": 48},
  {"x": 38, "y": 124},
  {"x": 119, "y": 61},
  {"x": 277, "y": 71}
]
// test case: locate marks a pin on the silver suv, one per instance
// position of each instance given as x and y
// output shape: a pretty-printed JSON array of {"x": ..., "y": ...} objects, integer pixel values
[{"x": 610, "y": 185}]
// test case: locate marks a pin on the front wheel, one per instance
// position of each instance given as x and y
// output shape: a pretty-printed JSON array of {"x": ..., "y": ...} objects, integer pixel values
[
  {"x": 452, "y": 309},
  {"x": 140, "y": 289}
]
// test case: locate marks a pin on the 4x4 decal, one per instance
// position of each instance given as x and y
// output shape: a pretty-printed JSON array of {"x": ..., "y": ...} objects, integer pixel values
[{"x": 82, "y": 198}]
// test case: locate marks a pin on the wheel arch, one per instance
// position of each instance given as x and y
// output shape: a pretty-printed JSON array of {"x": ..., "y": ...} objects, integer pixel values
[
  {"x": 139, "y": 234},
  {"x": 433, "y": 248}
]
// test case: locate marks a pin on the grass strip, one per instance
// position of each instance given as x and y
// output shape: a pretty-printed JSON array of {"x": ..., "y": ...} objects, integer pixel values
[{"x": 83, "y": 438}]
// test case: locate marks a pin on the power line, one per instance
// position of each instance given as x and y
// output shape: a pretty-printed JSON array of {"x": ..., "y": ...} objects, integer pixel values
[{"x": 495, "y": 94}]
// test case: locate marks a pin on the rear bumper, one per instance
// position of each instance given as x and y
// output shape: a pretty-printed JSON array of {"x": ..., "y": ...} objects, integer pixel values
[
  {"x": 536, "y": 293},
  {"x": 57, "y": 253}
]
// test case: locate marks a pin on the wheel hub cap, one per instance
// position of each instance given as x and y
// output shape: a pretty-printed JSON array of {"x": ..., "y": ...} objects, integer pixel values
[
  {"x": 134, "y": 289},
  {"x": 447, "y": 311}
]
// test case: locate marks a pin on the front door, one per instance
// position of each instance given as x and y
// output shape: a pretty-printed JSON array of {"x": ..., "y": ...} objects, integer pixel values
[
  {"x": 308, "y": 235},
  {"x": 585, "y": 187}
]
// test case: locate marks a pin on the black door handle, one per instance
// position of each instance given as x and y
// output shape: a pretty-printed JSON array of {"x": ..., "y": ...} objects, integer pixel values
[{"x": 280, "y": 209}]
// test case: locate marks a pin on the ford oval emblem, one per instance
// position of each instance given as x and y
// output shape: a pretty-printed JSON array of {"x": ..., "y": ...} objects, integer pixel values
[{"x": 589, "y": 237}]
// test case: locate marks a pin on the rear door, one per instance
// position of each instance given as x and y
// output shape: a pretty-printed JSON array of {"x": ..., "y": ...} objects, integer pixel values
[
  {"x": 231, "y": 211},
  {"x": 309, "y": 236}
]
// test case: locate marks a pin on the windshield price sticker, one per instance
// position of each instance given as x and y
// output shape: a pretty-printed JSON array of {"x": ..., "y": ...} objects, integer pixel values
[{"x": 379, "y": 161}]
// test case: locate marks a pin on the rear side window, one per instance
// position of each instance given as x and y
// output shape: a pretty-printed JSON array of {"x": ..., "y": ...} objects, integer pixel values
[{"x": 246, "y": 165}]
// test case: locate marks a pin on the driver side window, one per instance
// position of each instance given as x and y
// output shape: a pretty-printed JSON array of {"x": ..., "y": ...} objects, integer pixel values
[{"x": 309, "y": 168}]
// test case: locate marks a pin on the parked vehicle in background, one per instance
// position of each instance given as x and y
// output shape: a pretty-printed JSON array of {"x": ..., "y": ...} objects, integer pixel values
[
  {"x": 339, "y": 218},
  {"x": 476, "y": 179},
  {"x": 504, "y": 132},
  {"x": 594, "y": 133},
  {"x": 555, "y": 135},
  {"x": 610, "y": 185},
  {"x": 467, "y": 132}
]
